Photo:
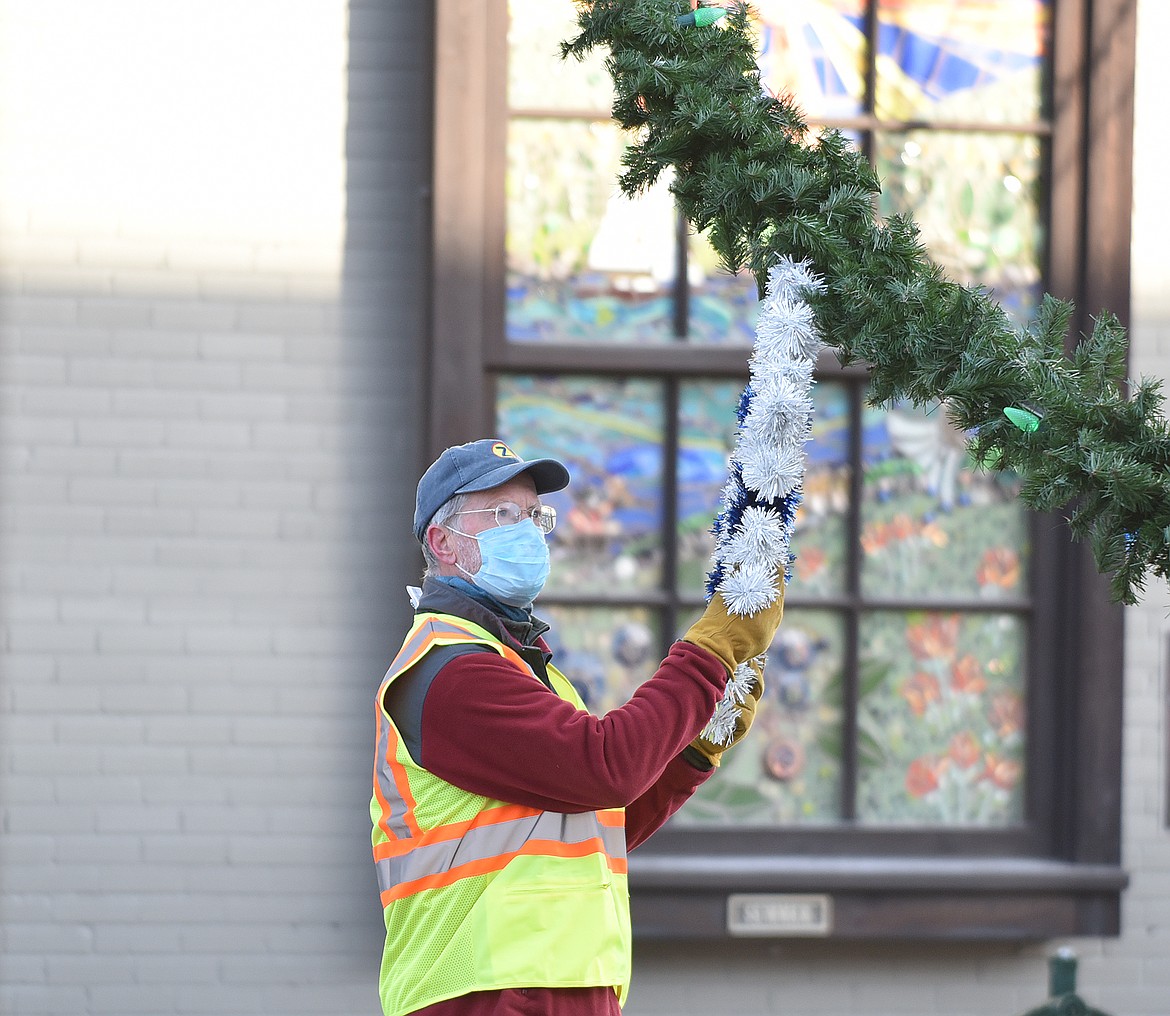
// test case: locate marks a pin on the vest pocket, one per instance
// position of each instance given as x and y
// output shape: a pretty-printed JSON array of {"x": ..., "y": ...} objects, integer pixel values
[{"x": 554, "y": 936}]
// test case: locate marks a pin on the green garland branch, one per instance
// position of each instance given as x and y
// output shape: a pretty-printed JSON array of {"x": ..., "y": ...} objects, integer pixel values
[{"x": 747, "y": 172}]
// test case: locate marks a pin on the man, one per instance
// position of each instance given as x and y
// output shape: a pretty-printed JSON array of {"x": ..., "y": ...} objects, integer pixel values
[{"x": 503, "y": 810}]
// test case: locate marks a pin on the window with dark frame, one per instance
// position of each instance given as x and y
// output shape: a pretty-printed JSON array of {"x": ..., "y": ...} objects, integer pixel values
[{"x": 916, "y": 762}]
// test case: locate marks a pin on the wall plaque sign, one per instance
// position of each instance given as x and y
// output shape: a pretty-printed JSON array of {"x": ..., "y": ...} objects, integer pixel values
[{"x": 768, "y": 914}]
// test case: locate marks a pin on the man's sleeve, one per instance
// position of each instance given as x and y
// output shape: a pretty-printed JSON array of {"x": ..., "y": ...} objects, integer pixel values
[
  {"x": 493, "y": 730},
  {"x": 646, "y": 815}
]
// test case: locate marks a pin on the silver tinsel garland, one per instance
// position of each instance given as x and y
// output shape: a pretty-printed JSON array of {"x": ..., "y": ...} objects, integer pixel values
[{"x": 753, "y": 529}]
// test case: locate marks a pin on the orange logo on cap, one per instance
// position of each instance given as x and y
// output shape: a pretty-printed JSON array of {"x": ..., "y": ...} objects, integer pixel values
[{"x": 503, "y": 451}]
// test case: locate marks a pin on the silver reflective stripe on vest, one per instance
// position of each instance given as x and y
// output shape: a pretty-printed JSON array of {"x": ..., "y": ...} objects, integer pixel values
[
  {"x": 614, "y": 838},
  {"x": 496, "y": 840},
  {"x": 394, "y": 822}
]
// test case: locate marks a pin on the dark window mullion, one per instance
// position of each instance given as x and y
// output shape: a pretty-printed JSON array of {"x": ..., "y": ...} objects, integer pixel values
[
  {"x": 869, "y": 99},
  {"x": 852, "y": 649},
  {"x": 670, "y": 452},
  {"x": 852, "y": 655},
  {"x": 681, "y": 296}
]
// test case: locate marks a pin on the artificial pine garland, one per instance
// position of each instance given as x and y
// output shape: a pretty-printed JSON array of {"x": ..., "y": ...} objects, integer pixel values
[{"x": 747, "y": 172}]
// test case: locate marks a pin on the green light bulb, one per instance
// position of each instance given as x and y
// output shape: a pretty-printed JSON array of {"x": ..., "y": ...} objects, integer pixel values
[
  {"x": 701, "y": 18},
  {"x": 1028, "y": 422}
]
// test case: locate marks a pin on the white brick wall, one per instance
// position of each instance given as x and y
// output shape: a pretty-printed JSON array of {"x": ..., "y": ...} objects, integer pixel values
[{"x": 207, "y": 456}]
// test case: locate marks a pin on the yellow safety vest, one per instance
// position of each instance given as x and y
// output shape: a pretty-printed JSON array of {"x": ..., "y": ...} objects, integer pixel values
[{"x": 480, "y": 894}]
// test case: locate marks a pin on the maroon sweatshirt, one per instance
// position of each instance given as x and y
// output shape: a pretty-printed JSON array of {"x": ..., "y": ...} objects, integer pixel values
[{"x": 473, "y": 719}]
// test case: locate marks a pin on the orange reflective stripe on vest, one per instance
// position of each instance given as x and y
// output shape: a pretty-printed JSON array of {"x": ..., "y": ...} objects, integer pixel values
[
  {"x": 481, "y": 848},
  {"x": 435, "y": 630}
]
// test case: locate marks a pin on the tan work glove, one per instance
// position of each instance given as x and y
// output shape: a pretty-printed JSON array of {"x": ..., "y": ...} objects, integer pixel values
[
  {"x": 735, "y": 639},
  {"x": 713, "y": 752}
]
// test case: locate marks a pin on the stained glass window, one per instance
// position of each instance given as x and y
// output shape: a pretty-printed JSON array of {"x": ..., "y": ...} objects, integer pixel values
[
  {"x": 607, "y": 652},
  {"x": 976, "y": 199},
  {"x": 896, "y": 686},
  {"x": 586, "y": 264},
  {"x": 790, "y": 770},
  {"x": 941, "y": 719},
  {"x": 972, "y": 60},
  {"x": 584, "y": 261},
  {"x": 946, "y": 684},
  {"x": 933, "y": 523},
  {"x": 815, "y": 52},
  {"x": 609, "y": 519}
]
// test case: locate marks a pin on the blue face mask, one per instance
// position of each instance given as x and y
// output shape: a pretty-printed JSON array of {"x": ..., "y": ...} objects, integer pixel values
[{"x": 513, "y": 563}]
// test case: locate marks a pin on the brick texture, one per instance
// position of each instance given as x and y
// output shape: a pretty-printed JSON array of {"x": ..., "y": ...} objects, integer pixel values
[{"x": 208, "y": 454}]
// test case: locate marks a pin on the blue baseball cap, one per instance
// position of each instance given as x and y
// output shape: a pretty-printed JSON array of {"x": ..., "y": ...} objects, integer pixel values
[{"x": 478, "y": 465}]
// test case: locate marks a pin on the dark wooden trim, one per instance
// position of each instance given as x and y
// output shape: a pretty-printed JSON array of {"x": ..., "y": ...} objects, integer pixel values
[
  {"x": 671, "y": 359},
  {"x": 1098, "y": 667},
  {"x": 869, "y": 98},
  {"x": 1109, "y": 157},
  {"x": 1046, "y": 785},
  {"x": 668, "y": 523},
  {"x": 710, "y": 844},
  {"x": 495, "y": 178},
  {"x": 852, "y": 612},
  {"x": 865, "y": 122},
  {"x": 668, "y": 359},
  {"x": 1065, "y": 177},
  {"x": 954, "y": 914},
  {"x": 892, "y": 874},
  {"x": 464, "y": 117}
]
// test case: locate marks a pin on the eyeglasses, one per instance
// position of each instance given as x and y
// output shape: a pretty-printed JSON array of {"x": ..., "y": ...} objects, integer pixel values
[{"x": 508, "y": 514}]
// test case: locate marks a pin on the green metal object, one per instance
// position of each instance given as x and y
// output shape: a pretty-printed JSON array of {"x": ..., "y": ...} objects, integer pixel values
[{"x": 1062, "y": 989}]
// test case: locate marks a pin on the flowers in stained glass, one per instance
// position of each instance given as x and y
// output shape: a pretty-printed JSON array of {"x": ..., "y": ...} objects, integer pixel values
[
  {"x": 935, "y": 524},
  {"x": 942, "y": 720},
  {"x": 920, "y": 690}
]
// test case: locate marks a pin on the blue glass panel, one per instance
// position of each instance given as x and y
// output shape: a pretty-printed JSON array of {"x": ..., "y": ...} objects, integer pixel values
[
  {"x": 706, "y": 438},
  {"x": 813, "y": 51},
  {"x": 723, "y": 308},
  {"x": 609, "y": 433},
  {"x": 820, "y": 539},
  {"x": 964, "y": 60}
]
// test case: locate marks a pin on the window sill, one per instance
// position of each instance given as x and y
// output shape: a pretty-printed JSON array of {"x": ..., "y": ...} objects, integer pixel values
[{"x": 879, "y": 897}]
